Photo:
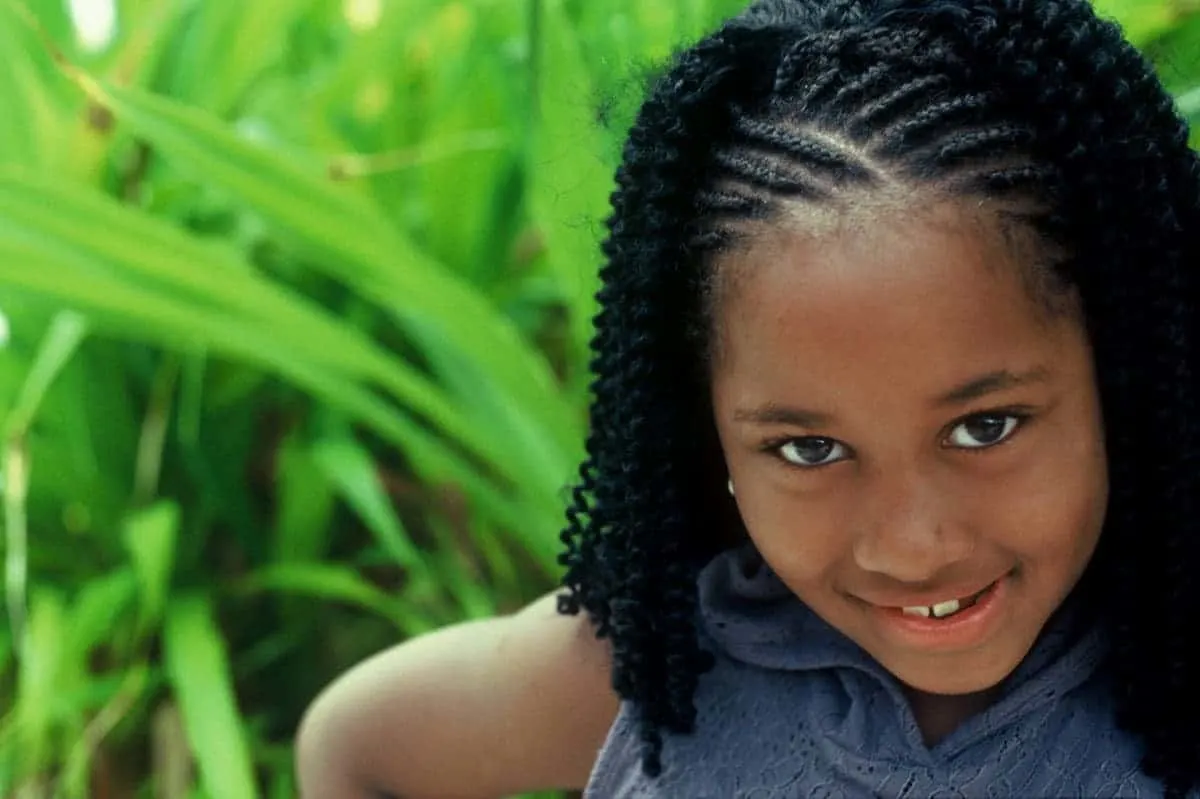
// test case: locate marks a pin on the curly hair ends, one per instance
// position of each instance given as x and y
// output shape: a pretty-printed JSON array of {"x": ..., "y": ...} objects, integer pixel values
[{"x": 1037, "y": 104}]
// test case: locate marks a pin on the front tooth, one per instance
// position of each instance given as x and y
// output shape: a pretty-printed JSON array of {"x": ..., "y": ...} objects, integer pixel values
[
  {"x": 945, "y": 608},
  {"x": 919, "y": 610}
]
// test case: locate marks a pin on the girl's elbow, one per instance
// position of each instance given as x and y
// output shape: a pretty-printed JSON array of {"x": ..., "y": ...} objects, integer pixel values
[{"x": 325, "y": 764}]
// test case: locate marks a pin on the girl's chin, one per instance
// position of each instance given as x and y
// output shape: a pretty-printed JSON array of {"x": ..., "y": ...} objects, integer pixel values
[
  {"x": 939, "y": 684},
  {"x": 978, "y": 672}
]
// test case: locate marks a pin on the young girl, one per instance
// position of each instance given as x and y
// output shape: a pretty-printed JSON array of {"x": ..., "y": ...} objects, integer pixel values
[{"x": 895, "y": 457}]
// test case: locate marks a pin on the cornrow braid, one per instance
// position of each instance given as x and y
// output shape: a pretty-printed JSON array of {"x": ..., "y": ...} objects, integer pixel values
[
  {"x": 931, "y": 123},
  {"x": 981, "y": 144},
  {"x": 805, "y": 149},
  {"x": 803, "y": 101},
  {"x": 874, "y": 113}
]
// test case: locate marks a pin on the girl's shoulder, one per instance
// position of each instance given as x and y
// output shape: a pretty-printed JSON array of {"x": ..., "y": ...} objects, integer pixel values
[{"x": 530, "y": 692}]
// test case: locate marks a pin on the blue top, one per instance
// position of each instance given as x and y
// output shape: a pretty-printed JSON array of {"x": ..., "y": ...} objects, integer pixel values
[{"x": 794, "y": 709}]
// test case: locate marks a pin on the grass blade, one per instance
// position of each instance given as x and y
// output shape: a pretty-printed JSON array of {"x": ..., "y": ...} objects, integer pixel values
[
  {"x": 570, "y": 183},
  {"x": 194, "y": 280},
  {"x": 349, "y": 468},
  {"x": 150, "y": 538},
  {"x": 198, "y": 670},
  {"x": 66, "y": 333},
  {"x": 120, "y": 307},
  {"x": 335, "y": 583},
  {"x": 351, "y": 241}
]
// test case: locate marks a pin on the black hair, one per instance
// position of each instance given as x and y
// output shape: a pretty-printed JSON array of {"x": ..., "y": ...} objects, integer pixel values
[{"x": 805, "y": 101}]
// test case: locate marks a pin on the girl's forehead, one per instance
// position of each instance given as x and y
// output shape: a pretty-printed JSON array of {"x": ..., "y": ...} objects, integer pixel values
[
  {"x": 920, "y": 298},
  {"x": 879, "y": 248}
]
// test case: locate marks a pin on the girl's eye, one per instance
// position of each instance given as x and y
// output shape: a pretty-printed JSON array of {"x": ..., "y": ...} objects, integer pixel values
[
  {"x": 812, "y": 451},
  {"x": 985, "y": 430}
]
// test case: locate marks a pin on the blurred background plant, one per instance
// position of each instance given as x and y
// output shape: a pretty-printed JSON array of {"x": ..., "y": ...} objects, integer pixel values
[{"x": 294, "y": 307}]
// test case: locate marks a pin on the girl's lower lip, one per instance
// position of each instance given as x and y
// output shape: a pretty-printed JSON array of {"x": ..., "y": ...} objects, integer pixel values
[{"x": 965, "y": 629}]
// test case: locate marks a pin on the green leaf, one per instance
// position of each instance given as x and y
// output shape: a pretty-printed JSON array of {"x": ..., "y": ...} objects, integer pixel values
[
  {"x": 353, "y": 243},
  {"x": 150, "y": 538},
  {"x": 59, "y": 344},
  {"x": 570, "y": 182},
  {"x": 40, "y": 683},
  {"x": 1189, "y": 102},
  {"x": 97, "y": 610},
  {"x": 304, "y": 505},
  {"x": 87, "y": 234},
  {"x": 236, "y": 41},
  {"x": 6, "y": 651},
  {"x": 459, "y": 574},
  {"x": 119, "y": 697},
  {"x": 198, "y": 670},
  {"x": 148, "y": 33},
  {"x": 54, "y": 20},
  {"x": 1141, "y": 20},
  {"x": 349, "y": 467},
  {"x": 179, "y": 325},
  {"x": 32, "y": 119},
  {"x": 1189, "y": 106},
  {"x": 335, "y": 583}
]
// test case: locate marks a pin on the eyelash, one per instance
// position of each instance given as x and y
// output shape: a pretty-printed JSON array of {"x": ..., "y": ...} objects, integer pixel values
[{"x": 1022, "y": 415}]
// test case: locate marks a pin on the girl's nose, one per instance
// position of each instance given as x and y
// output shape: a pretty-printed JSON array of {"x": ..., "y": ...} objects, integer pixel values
[{"x": 908, "y": 532}]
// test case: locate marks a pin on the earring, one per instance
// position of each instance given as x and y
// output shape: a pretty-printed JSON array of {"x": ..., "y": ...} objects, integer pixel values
[{"x": 729, "y": 485}]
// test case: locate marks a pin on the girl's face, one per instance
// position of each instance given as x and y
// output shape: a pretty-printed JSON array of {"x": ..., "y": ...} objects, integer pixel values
[{"x": 907, "y": 426}]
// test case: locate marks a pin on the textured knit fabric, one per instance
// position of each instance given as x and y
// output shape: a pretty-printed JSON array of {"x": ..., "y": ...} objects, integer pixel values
[{"x": 794, "y": 709}]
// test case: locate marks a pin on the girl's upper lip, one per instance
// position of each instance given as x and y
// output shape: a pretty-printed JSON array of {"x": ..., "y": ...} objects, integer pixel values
[{"x": 932, "y": 597}]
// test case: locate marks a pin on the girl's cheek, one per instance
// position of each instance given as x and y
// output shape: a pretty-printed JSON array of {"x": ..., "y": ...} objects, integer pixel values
[
  {"x": 803, "y": 536},
  {"x": 1042, "y": 511}
]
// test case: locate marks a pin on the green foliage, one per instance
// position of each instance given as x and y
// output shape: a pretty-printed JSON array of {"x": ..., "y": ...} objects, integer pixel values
[{"x": 294, "y": 306}]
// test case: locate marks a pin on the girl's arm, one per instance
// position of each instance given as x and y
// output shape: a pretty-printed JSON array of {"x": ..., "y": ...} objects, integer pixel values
[{"x": 478, "y": 710}]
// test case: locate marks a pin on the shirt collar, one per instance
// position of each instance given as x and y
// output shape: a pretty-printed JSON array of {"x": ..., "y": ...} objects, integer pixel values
[{"x": 751, "y": 616}]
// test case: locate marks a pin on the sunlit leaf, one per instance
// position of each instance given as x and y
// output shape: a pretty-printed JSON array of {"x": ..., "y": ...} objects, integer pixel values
[
  {"x": 570, "y": 181},
  {"x": 97, "y": 611},
  {"x": 238, "y": 41},
  {"x": 305, "y": 505},
  {"x": 198, "y": 669},
  {"x": 39, "y": 682},
  {"x": 150, "y": 537},
  {"x": 1141, "y": 20},
  {"x": 60, "y": 343},
  {"x": 32, "y": 116},
  {"x": 352, "y": 243},
  {"x": 42, "y": 218},
  {"x": 348, "y": 467},
  {"x": 334, "y": 583}
]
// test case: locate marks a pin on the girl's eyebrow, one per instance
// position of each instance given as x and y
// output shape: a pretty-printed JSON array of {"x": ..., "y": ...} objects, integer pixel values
[
  {"x": 773, "y": 413},
  {"x": 991, "y": 383}
]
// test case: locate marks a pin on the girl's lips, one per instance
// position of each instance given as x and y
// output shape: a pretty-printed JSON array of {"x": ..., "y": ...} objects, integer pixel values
[
  {"x": 960, "y": 592},
  {"x": 962, "y": 630}
]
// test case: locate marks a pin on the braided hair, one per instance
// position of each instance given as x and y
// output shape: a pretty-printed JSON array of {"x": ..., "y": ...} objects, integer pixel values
[{"x": 1037, "y": 104}]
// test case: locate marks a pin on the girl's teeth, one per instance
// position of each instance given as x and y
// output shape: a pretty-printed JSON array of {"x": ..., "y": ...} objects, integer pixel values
[
  {"x": 940, "y": 610},
  {"x": 945, "y": 608}
]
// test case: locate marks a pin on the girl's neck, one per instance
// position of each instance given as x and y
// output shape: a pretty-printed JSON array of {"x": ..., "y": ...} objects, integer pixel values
[{"x": 938, "y": 715}]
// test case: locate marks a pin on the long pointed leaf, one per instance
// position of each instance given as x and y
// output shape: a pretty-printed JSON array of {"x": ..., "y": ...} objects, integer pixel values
[
  {"x": 350, "y": 468},
  {"x": 570, "y": 182},
  {"x": 45, "y": 218},
  {"x": 198, "y": 667},
  {"x": 181, "y": 326},
  {"x": 351, "y": 241}
]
